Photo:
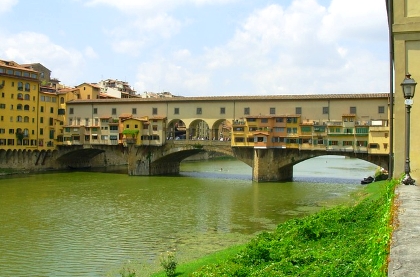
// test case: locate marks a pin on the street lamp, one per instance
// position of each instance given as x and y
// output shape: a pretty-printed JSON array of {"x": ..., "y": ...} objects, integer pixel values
[{"x": 408, "y": 87}]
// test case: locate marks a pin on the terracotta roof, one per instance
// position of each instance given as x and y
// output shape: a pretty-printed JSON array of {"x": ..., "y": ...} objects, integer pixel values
[
  {"x": 240, "y": 98},
  {"x": 12, "y": 64},
  {"x": 126, "y": 115}
]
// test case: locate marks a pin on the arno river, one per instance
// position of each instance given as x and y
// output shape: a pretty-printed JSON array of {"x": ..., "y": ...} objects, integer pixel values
[{"x": 91, "y": 223}]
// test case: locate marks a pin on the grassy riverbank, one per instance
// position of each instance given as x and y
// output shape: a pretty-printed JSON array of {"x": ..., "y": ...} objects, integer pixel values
[{"x": 343, "y": 241}]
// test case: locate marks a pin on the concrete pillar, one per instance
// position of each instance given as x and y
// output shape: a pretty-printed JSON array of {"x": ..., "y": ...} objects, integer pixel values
[{"x": 267, "y": 168}]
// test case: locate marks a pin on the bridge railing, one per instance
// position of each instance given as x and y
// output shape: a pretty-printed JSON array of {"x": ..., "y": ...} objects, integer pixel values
[{"x": 199, "y": 142}]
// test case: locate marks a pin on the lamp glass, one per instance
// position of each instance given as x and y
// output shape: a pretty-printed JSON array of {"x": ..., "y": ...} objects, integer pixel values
[{"x": 408, "y": 87}]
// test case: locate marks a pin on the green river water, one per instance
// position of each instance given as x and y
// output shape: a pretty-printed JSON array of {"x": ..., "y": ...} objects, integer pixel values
[{"x": 91, "y": 223}]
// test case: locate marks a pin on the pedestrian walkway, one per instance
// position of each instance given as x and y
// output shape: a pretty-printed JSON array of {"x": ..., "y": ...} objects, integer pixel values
[{"x": 405, "y": 245}]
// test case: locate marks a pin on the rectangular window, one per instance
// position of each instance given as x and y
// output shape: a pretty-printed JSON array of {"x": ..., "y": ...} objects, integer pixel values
[
  {"x": 42, "y": 109},
  {"x": 325, "y": 110},
  {"x": 353, "y": 110},
  {"x": 347, "y": 143},
  {"x": 95, "y": 110},
  {"x": 71, "y": 111},
  {"x": 279, "y": 119},
  {"x": 333, "y": 142},
  {"x": 51, "y": 121},
  {"x": 381, "y": 109},
  {"x": 199, "y": 111},
  {"x": 2, "y": 106},
  {"x": 11, "y": 131},
  {"x": 114, "y": 111},
  {"x": 134, "y": 111},
  {"x": 61, "y": 111},
  {"x": 41, "y": 120},
  {"x": 113, "y": 128},
  {"x": 154, "y": 127},
  {"x": 154, "y": 111},
  {"x": 247, "y": 110},
  {"x": 298, "y": 110},
  {"x": 176, "y": 110},
  {"x": 51, "y": 110},
  {"x": 279, "y": 129},
  {"x": 41, "y": 131},
  {"x": 222, "y": 110},
  {"x": 272, "y": 110},
  {"x": 306, "y": 129},
  {"x": 264, "y": 120}
]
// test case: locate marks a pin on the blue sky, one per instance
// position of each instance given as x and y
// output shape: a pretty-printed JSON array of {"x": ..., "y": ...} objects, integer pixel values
[{"x": 204, "y": 47}]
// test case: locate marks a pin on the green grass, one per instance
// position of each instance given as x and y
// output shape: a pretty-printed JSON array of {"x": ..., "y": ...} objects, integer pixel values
[
  {"x": 342, "y": 241},
  {"x": 188, "y": 268}
]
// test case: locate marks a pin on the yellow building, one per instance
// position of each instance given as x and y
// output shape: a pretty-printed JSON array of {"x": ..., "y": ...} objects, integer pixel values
[
  {"x": 19, "y": 88},
  {"x": 405, "y": 17},
  {"x": 49, "y": 123}
]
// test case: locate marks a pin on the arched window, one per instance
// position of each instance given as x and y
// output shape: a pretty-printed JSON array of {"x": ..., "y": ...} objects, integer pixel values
[
  {"x": 26, "y": 119},
  {"x": 19, "y": 107},
  {"x": 27, "y": 97},
  {"x": 62, "y": 100},
  {"x": 20, "y": 86},
  {"x": 19, "y": 118},
  {"x": 27, "y": 87},
  {"x": 26, "y": 107},
  {"x": 20, "y": 96}
]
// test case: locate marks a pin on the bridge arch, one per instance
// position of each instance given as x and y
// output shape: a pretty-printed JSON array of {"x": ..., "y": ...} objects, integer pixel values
[
  {"x": 198, "y": 129},
  {"x": 176, "y": 128},
  {"x": 79, "y": 158}
]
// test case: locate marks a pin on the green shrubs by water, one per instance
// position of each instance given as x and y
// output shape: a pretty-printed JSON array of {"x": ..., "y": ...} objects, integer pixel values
[
  {"x": 343, "y": 241},
  {"x": 168, "y": 262}
]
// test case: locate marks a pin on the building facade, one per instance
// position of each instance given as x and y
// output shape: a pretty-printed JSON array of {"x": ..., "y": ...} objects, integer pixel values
[
  {"x": 19, "y": 98},
  {"x": 405, "y": 15},
  {"x": 350, "y": 123}
]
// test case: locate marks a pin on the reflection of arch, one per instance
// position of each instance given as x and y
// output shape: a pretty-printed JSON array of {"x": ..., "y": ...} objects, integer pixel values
[{"x": 177, "y": 129}]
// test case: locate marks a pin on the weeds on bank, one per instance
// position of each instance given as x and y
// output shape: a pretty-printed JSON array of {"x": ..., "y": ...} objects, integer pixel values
[
  {"x": 343, "y": 241},
  {"x": 168, "y": 262}
]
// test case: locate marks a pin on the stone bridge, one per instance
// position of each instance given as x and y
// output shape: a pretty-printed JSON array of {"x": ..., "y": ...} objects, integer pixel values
[{"x": 273, "y": 164}]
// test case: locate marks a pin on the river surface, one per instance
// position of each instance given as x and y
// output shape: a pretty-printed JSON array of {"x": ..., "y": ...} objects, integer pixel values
[{"x": 93, "y": 223}]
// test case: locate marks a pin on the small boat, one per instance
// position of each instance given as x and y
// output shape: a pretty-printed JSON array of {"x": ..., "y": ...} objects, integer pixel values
[{"x": 367, "y": 180}]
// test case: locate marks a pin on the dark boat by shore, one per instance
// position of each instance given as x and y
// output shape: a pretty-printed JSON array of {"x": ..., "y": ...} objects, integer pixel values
[{"x": 367, "y": 180}]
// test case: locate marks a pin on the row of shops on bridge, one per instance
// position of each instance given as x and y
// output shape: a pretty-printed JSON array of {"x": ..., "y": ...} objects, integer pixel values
[{"x": 279, "y": 131}]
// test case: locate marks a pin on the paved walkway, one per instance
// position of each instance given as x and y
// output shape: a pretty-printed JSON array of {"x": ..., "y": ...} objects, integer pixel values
[{"x": 405, "y": 245}]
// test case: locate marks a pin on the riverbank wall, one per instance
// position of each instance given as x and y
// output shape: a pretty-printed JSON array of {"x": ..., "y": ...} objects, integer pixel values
[{"x": 34, "y": 161}]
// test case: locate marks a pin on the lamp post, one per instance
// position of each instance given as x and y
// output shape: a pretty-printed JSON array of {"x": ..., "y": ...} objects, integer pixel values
[{"x": 408, "y": 88}]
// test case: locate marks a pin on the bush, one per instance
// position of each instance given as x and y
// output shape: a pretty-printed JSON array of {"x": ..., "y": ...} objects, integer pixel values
[{"x": 168, "y": 262}]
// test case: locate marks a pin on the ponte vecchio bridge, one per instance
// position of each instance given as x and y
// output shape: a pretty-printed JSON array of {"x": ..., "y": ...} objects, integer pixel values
[{"x": 269, "y": 133}]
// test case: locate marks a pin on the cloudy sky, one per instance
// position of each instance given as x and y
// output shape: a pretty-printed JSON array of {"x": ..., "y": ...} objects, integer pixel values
[{"x": 204, "y": 47}]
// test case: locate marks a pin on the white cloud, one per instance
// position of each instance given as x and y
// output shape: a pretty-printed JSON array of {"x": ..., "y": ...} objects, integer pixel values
[
  {"x": 29, "y": 47},
  {"x": 6, "y": 5},
  {"x": 146, "y": 6},
  {"x": 164, "y": 75},
  {"x": 345, "y": 19},
  {"x": 134, "y": 34},
  {"x": 90, "y": 53}
]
